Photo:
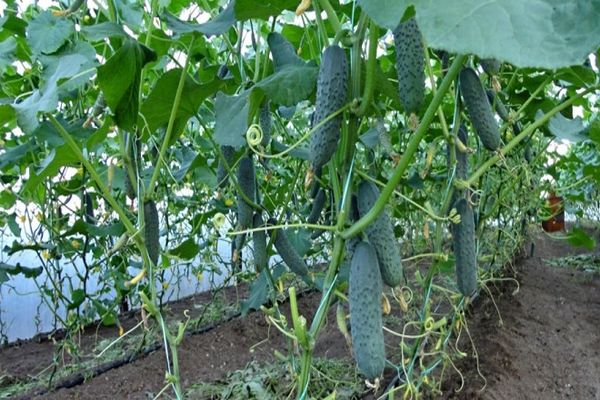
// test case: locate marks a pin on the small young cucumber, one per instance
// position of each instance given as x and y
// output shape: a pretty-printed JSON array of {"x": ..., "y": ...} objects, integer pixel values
[
  {"x": 228, "y": 159},
  {"x": 317, "y": 206},
  {"x": 366, "y": 322}
]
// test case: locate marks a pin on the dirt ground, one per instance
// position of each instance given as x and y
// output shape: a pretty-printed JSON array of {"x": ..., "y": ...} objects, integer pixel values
[{"x": 546, "y": 348}]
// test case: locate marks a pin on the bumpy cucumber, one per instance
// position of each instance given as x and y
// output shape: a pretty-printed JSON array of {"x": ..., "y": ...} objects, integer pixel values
[
  {"x": 479, "y": 109},
  {"x": 462, "y": 159},
  {"x": 151, "y": 230},
  {"x": 265, "y": 120},
  {"x": 88, "y": 206},
  {"x": 497, "y": 104},
  {"x": 464, "y": 248},
  {"x": 247, "y": 180},
  {"x": 365, "y": 311},
  {"x": 259, "y": 238},
  {"x": 490, "y": 65},
  {"x": 288, "y": 253},
  {"x": 317, "y": 207},
  {"x": 410, "y": 65},
  {"x": 353, "y": 216},
  {"x": 381, "y": 235},
  {"x": 332, "y": 87},
  {"x": 228, "y": 159},
  {"x": 134, "y": 149}
]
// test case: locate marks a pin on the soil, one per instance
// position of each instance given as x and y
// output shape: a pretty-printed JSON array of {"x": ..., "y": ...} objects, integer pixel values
[{"x": 547, "y": 346}]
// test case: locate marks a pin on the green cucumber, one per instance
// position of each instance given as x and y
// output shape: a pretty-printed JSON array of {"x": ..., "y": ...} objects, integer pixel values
[
  {"x": 151, "y": 230},
  {"x": 464, "y": 248},
  {"x": 462, "y": 159},
  {"x": 498, "y": 105},
  {"x": 491, "y": 66},
  {"x": 261, "y": 259},
  {"x": 410, "y": 65},
  {"x": 366, "y": 322},
  {"x": 133, "y": 146},
  {"x": 228, "y": 159},
  {"x": 288, "y": 253},
  {"x": 265, "y": 121},
  {"x": 479, "y": 109},
  {"x": 247, "y": 180},
  {"x": 332, "y": 87},
  {"x": 381, "y": 235},
  {"x": 317, "y": 207},
  {"x": 88, "y": 206}
]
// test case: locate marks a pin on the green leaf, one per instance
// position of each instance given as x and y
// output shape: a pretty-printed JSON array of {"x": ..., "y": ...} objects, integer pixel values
[
  {"x": 290, "y": 85},
  {"x": 19, "y": 269},
  {"x": 157, "y": 108},
  {"x": 259, "y": 290},
  {"x": 47, "y": 33},
  {"x": 579, "y": 238},
  {"x": 282, "y": 51},
  {"x": 58, "y": 157},
  {"x": 7, "y": 49},
  {"x": 300, "y": 239},
  {"x": 216, "y": 26},
  {"x": 7, "y": 199},
  {"x": 534, "y": 33},
  {"x": 186, "y": 250},
  {"x": 80, "y": 227},
  {"x": 102, "y": 31},
  {"x": 248, "y": 9},
  {"x": 300, "y": 152},
  {"x": 13, "y": 155},
  {"x": 77, "y": 298},
  {"x": 566, "y": 129},
  {"x": 7, "y": 114},
  {"x": 231, "y": 119},
  {"x": 119, "y": 80},
  {"x": 594, "y": 130}
]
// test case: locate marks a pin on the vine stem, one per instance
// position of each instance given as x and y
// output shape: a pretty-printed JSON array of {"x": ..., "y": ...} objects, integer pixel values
[
  {"x": 331, "y": 15},
  {"x": 97, "y": 179},
  {"x": 370, "y": 71},
  {"x": 169, "y": 132},
  {"x": 526, "y": 132},
  {"x": 411, "y": 149}
]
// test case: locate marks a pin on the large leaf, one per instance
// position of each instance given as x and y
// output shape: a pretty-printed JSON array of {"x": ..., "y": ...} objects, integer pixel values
[
  {"x": 247, "y": 9},
  {"x": 157, "y": 108},
  {"x": 216, "y": 26},
  {"x": 283, "y": 51},
  {"x": 7, "y": 49},
  {"x": 119, "y": 80},
  {"x": 46, "y": 33},
  {"x": 186, "y": 250},
  {"x": 534, "y": 33},
  {"x": 231, "y": 119},
  {"x": 259, "y": 290},
  {"x": 102, "y": 31},
  {"x": 290, "y": 84},
  {"x": 566, "y": 129},
  {"x": 579, "y": 238},
  {"x": 57, "y": 158}
]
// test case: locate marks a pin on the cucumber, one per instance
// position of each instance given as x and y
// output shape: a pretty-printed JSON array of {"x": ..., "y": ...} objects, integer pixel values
[
  {"x": 464, "y": 248},
  {"x": 527, "y": 153},
  {"x": 462, "y": 159},
  {"x": 288, "y": 253},
  {"x": 151, "y": 230},
  {"x": 490, "y": 65},
  {"x": 332, "y": 87},
  {"x": 133, "y": 148},
  {"x": 479, "y": 109},
  {"x": 497, "y": 104},
  {"x": 261, "y": 259},
  {"x": 228, "y": 159},
  {"x": 381, "y": 235},
  {"x": 351, "y": 243},
  {"x": 366, "y": 323},
  {"x": 88, "y": 206},
  {"x": 317, "y": 207},
  {"x": 410, "y": 65},
  {"x": 247, "y": 180},
  {"x": 265, "y": 121}
]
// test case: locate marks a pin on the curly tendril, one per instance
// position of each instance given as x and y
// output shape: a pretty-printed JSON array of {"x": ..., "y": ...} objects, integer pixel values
[{"x": 254, "y": 135}]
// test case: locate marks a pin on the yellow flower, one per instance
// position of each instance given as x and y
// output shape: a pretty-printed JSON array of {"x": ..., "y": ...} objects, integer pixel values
[
  {"x": 228, "y": 202},
  {"x": 75, "y": 244},
  {"x": 219, "y": 220},
  {"x": 46, "y": 254},
  {"x": 22, "y": 218}
]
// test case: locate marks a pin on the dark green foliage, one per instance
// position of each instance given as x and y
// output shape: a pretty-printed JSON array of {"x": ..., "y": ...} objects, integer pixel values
[
  {"x": 332, "y": 87},
  {"x": 381, "y": 235},
  {"x": 497, "y": 104},
  {"x": 229, "y": 158},
  {"x": 479, "y": 109},
  {"x": 259, "y": 238},
  {"x": 527, "y": 153},
  {"x": 317, "y": 207},
  {"x": 410, "y": 64},
  {"x": 490, "y": 65},
  {"x": 288, "y": 253},
  {"x": 247, "y": 180},
  {"x": 151, "y": 230},
  {"x": 266, "y": 121},
  {"x": 366, "y": 322},
  {"x": 464, "y": 248}
]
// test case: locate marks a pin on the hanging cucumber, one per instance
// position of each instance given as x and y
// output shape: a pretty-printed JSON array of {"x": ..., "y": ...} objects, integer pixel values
[
  {"x": 265, "y": 121},
  {"x": 366, "y": 324},
  {"x": 133, "y": 148},
  {"x": 228, "y": 159},
  {"x": 479, "y": 109},
  {"x": 498, "y": 105},
  {"x": 317, "y": 207},
  {"x": 259, "y": 238},
  {"x": 288, "y": 253},
  {"x": 151, "y": 230},
  {"x": 247, "y": 180},
  {"x": 332, "y": 87},
  {"x": 410, "y": 65},
  {"x": 381, "y": 235},
  {"x": 491, "y": 66},
  {"x": 464, "y": 248}
]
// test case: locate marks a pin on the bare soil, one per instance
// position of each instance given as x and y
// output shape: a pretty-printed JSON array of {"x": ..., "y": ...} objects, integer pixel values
[{"x": 547, "y": 346}]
